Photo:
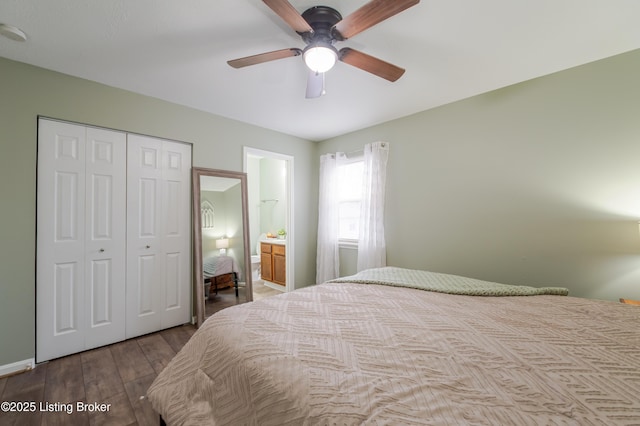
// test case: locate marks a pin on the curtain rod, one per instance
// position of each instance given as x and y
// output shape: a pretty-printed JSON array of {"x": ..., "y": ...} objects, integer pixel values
[{"x": 358, "y": 152}]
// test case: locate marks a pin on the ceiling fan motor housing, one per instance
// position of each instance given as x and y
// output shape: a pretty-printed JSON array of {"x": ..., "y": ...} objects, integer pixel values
[{"x": 321, "y": 19}]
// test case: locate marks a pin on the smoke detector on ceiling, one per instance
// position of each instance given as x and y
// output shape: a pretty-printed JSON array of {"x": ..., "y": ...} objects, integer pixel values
[{"x": 12, "y": 33}]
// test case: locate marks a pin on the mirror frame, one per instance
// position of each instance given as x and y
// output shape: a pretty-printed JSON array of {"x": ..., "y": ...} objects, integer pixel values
[{"x": 198, "y": 277}]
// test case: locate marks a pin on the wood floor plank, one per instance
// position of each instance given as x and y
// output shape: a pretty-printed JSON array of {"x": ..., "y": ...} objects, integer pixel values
[
  {"x": 131, "y": 362},
  {"x": 224, "y": 299},
  {"x": 176, "y": 337},
  {"x": 23, "y": 418},
  {"x": 25, "y": 387},
  {"x": 62, "y": 418},
  {"x": 157, "y": 351},
  {"x": 64, "y": 386},
  {"x": 65, "y": 380},
  {"x": 32, "y": 380},
  {"x": 120, "y": 412},
  {"x": 100, "y": 373},
  {"x": 137, "y": 391},
  {"x": 190, "y": 329}
]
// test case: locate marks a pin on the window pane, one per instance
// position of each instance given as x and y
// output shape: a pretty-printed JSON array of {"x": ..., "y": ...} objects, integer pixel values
[
  {"x": 351, "y": 181},
  {"x": 350, "y": 197},
  {"x": 349, "y": 219}
]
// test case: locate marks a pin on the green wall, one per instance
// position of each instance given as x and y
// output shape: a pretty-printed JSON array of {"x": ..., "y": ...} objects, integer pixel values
[
  {"x": 28, "y": 91},
  {"x": 536, "y": 184}
]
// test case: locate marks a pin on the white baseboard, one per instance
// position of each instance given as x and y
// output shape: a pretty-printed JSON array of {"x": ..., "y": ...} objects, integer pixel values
[
  {"x": 274, "y": 286},
  {"x": 17, "y": 367}
]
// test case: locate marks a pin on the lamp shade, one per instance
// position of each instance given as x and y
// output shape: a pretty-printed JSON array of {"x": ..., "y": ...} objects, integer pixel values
[
  {"x": 320, "y": 57},
  {"x": 222, "y": 243}
]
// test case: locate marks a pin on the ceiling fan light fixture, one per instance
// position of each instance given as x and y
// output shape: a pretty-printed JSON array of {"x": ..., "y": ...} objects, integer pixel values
[{"x": 320, "y": 57}]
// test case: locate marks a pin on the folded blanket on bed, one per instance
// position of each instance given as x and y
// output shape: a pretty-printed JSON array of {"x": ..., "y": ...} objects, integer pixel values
[{"x": 444, "y": 283}]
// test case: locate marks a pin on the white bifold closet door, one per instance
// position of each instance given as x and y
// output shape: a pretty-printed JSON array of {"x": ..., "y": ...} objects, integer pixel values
[
  {"x": 81, "y": 238},
  {"x": 113, "y": 237},
  {"x": 158, "y": 234}
]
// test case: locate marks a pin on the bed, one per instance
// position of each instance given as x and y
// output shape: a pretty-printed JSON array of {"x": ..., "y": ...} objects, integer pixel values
[
  {"x": 399, "y": 347},
  {"x": 219, "y": 272}
]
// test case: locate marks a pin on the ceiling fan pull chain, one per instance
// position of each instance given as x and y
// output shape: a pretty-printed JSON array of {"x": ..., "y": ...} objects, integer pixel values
[{"x": 324, "y": 92}]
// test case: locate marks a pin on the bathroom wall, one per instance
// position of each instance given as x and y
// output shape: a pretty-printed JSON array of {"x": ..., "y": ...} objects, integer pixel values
[{"x": 273, "y": 214}]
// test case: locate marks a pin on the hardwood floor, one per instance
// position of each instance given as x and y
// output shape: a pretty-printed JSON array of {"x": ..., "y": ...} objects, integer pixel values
[
  {"x": 227, "y": 297},
  {"x": 118, "y": 374}
]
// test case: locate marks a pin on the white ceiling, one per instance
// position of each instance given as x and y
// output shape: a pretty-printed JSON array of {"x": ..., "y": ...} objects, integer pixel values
[
  {"x": 217, "y": 183},
  {"x": 451, "y": 49}
]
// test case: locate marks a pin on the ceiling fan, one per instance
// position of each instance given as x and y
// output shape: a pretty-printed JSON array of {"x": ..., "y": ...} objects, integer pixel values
[{"x": 320, "y": 27}]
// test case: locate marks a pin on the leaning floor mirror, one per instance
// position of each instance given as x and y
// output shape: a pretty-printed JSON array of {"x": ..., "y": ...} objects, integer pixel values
[{"x": 221, "y": 255}]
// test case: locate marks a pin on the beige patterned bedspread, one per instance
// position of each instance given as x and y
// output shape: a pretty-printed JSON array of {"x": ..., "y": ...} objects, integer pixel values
[
  {"x": 445, "y": 283},
  {"x": 353, "y": 354}
]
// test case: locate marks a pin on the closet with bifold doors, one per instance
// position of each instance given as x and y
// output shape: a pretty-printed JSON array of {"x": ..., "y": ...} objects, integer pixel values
[{"x": 113, "y": 256}]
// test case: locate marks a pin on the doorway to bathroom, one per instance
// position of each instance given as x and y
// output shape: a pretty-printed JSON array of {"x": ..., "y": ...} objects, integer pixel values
[{"x": 270, "y": 199}]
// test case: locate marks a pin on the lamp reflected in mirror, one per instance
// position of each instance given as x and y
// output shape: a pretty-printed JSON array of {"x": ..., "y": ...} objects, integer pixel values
[{"x": 222, "y": 244}]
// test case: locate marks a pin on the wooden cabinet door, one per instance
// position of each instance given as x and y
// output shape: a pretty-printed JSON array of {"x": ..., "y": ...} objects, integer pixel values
[
  {"x": 279, "y": 269},
  {"x": 273, "y": 263},
  {"x": 266, "y": 272}
]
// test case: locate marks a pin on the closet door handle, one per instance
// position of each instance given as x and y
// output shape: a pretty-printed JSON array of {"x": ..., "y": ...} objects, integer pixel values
[
  {"x": 101, "y": 250},
  {"x": 148, "y": 246}
]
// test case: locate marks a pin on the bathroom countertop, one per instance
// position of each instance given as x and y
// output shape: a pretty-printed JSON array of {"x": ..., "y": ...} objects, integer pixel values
[{"x": 274, "y": 241}]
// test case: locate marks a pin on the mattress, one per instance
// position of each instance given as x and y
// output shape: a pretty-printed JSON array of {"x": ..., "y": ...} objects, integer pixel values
[{"x": 354, "y": 353}]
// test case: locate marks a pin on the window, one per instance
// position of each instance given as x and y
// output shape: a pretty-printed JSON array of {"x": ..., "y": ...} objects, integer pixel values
[{"x": 349, "y": 198}]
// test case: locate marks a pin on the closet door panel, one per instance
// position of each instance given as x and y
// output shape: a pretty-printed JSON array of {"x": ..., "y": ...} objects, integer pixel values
[
  {"x": 145, "y": 281},
  {"x": 173, "y": 196},
  {"x": 67, "y": 215},
  {"x": 65, "y": 289},
  {"x": 173, "y": 279},
  {"x": 176, "y": 233},
  {"x": 147, "y": 285},
  {"x": 105, "y": 236},
  {"x": 60, "y": 309},
  {"x": 100, "y": 293}
]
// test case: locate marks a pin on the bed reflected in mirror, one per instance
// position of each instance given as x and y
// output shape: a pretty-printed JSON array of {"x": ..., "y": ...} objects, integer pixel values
[{"x": 222, "y": 275}]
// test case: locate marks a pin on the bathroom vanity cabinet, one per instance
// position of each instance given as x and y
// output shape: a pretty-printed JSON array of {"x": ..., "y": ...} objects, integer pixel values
[{"x": 273, "y": 262}]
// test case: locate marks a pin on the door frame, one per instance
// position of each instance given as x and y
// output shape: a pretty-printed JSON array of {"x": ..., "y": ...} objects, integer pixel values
[{"x": 288, "y": 159}]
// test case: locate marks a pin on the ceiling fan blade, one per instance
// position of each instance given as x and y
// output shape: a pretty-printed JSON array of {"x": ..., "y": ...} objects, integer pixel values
[
  {"x": 290, "y": 15},
  {"x": 370, "y": 64},
  {"x": 369, "y": 15},
  {"x": 264, "y": 57},
  {"x": 315, "y": 85}
]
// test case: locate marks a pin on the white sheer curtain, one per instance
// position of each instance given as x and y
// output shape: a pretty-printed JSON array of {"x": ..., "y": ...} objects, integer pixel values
[
  {"x": 372, "y": 248},
  {"x": 328, "y": 262}
]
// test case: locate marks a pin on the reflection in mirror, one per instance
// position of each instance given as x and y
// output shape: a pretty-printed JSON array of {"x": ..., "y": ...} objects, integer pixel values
[{"x": 221, "y": 241}]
